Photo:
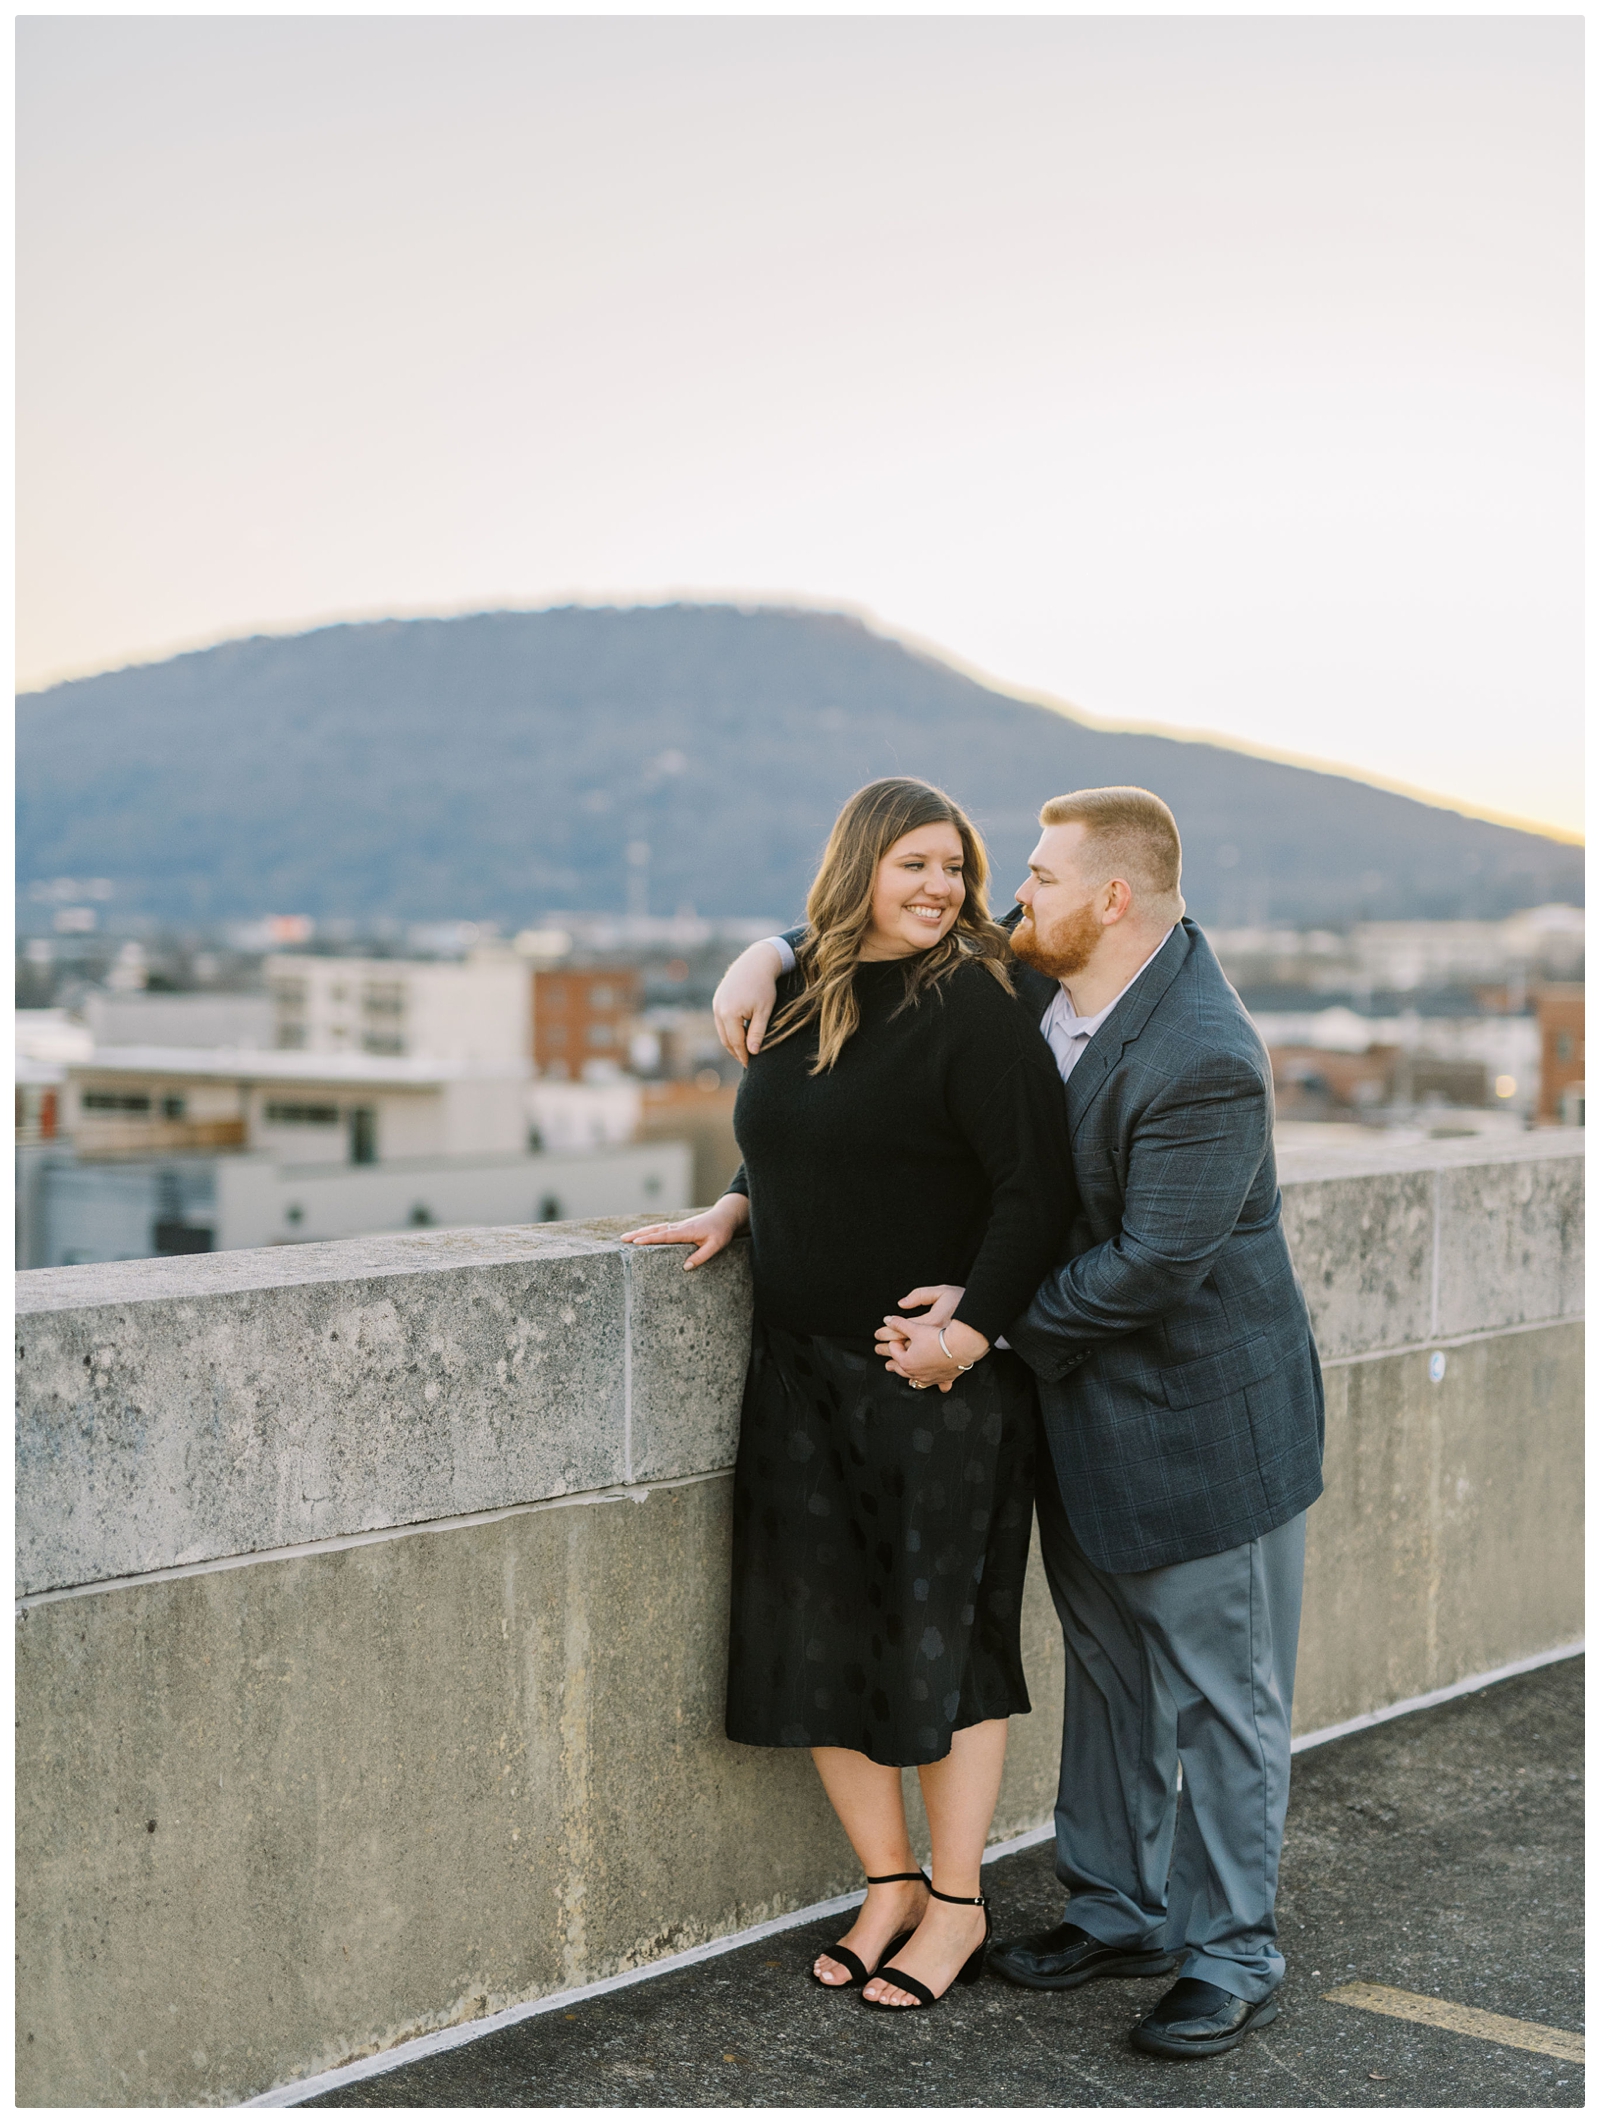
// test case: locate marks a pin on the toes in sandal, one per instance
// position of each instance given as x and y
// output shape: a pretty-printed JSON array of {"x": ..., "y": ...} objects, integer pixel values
[
  {"x": 859, "y": 1972},
  {"x": 969, "y": 1971}
]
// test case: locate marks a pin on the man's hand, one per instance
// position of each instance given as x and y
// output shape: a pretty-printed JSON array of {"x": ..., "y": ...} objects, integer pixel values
[
  {"x": 744, "y": 999},
  {"x": 941, "y": 1300},
  {"x": 911, "y": 1349},
  {"x": 708, "y": 1232}
]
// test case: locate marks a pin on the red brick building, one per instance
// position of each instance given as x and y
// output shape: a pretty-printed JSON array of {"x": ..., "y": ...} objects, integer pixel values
[
  {"x": 583, "y": 1014},
  {"x": 1560, "y": 1050},
  {"x": 1318, "y": 1083}
]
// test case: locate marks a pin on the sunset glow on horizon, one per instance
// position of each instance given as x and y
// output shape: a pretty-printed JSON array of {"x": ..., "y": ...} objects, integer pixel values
[{"x": 1222, "y": 374}]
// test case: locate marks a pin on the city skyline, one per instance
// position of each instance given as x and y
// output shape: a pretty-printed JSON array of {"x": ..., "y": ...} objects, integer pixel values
[{"x": 1212, "y": 375}]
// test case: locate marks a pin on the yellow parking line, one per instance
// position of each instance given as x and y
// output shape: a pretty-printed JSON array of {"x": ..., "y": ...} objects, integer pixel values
[{"x": 1460, "y": 2019}]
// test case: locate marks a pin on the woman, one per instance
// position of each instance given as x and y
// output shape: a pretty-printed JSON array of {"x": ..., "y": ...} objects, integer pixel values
[{"x": 902, "y": 1127}]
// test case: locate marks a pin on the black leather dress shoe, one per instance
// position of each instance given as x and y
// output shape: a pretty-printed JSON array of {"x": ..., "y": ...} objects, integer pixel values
[
  {"x": 1064, "y": 1958},
  {"x": 1198, "y": 2019}
]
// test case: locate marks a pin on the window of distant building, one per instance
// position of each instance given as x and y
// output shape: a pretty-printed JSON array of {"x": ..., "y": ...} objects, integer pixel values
[
  {"x": 555, "y": 1035},
  {"x": 602, "y": 998},
  {"x": 1563, "y": 1046},
  {"x": 602, "y": 1035},
  {"x": 36, "y": 1112},
  {"x": 116, "y": 1102},
  {"x": 280, "y": 1115},
  {"x": 289, "y": 997},
  {"x": 172, "y": 1108}
]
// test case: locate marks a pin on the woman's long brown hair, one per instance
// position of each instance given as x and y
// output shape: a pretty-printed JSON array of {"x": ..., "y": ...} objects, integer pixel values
[{"x": 839, "y": 911}]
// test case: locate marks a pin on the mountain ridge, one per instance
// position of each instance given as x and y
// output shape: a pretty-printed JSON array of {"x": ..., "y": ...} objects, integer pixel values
[{"x": 495, "y": 765}]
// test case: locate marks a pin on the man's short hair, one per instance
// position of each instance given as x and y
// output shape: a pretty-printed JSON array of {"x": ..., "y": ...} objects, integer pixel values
[{"x": 1131, "y": 833}]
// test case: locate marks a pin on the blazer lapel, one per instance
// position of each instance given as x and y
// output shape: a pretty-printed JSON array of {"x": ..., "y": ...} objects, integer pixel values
[
  {"x": 1092, "y": 1068},
  {"x": 1124, "y": 1025}
]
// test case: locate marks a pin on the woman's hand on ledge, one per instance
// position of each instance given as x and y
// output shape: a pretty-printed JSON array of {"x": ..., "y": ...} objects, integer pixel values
[{"x": 708, "y": 1232}]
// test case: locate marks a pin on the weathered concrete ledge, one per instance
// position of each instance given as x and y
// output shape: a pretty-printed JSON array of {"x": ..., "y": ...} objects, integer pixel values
[
  {"x": 181, "y": 1411},
  {"x": 372, "y": 1604}
]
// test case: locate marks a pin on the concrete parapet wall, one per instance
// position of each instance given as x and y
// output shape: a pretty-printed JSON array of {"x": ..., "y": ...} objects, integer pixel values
[
  {"x": 372, "y": 1605},
  {"x": 1445, "y": 1282},
  {"x": 181, "y": 1411},
  {"x": 1437, "y": 1240}
]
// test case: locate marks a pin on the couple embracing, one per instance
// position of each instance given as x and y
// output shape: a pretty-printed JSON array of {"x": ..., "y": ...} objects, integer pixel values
[{"x": 1014, "y": 1228}]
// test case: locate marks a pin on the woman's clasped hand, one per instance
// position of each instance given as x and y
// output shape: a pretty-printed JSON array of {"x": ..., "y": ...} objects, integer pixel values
[{"x": 935, "y": 1349}]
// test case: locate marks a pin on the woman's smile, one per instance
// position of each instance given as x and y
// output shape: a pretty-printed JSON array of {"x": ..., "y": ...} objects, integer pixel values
[{"x": 917, "y": 894}]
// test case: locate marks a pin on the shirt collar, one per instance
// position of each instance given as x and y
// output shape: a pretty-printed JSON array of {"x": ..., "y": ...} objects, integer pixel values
[{"x": 1077, "y": 1027}]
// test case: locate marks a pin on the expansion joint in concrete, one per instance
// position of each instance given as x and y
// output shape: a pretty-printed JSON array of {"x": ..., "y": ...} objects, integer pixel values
[
  {"x": 627, "y": 1362},
  {"x": 1438, "y": 1252}
]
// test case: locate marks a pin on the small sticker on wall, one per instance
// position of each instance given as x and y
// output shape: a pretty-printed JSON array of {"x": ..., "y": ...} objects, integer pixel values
[{"x": 1436, "y": 1366}]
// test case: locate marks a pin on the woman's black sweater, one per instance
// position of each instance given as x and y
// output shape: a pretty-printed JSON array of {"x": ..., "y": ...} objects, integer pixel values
[{"x": 933, "y": 1151}]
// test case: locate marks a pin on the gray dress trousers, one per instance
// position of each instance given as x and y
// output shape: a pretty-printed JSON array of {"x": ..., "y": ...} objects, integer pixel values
[{"x": 1192, "y": 1663}]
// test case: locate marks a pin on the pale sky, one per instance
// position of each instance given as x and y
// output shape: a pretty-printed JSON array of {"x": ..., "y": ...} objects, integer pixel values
[{"x": 1220, "y": 373}]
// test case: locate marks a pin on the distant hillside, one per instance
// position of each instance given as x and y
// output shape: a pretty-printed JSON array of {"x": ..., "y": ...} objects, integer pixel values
[{"x": 496, "y": 767}]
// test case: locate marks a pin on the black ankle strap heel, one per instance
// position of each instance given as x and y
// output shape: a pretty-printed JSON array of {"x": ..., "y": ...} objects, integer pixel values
[
  {"x": 969, "y": 1971},
  {"x": 859, "y": 1972}
]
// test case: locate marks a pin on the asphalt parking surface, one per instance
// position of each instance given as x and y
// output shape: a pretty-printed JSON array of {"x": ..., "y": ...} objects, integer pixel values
[{"x": 1440, "y": 1854}]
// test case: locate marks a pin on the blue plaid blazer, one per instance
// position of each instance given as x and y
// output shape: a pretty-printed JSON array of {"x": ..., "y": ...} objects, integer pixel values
[{"x": 1178, "y": 1377}]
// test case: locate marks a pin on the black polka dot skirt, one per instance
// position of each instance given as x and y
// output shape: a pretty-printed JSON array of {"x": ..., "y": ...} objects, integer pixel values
[{"x": 880, "y": 1540}]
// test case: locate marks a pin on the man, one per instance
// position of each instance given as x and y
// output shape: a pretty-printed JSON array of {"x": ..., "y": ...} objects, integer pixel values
[{"x": 1182, "y": 1401}]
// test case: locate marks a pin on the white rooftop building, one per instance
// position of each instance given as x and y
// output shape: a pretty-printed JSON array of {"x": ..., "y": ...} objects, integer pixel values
[
  {"x": 322, "y": 1109},
  {"x": 479, "y": 1011},
  {"x": 200, "y": 1019}
]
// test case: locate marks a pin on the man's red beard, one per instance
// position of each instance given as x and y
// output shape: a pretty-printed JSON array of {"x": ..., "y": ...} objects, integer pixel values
[{"x": 1066, "y": 949}]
